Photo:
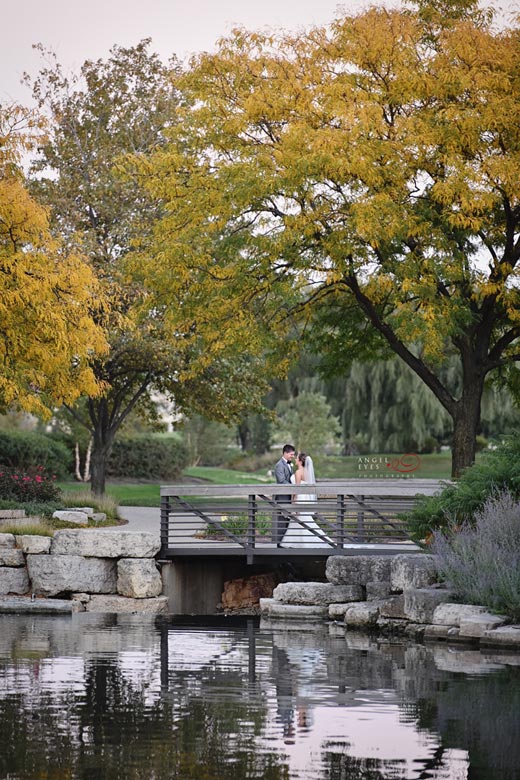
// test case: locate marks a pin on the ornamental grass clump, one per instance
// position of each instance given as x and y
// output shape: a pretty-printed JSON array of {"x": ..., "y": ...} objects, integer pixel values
[{"x": 481, "y": 559}]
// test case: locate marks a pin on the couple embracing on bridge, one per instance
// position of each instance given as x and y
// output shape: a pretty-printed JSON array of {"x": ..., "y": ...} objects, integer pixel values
[{"x": 303, "y": 531}]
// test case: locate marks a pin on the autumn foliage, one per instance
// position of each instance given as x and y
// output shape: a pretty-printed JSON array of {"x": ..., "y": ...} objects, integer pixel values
[
  {"x": 47, "y": 332},
  {"x": 364, "y": 175}
]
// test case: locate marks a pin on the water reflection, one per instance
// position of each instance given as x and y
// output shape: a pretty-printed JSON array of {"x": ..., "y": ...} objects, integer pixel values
[{"x": 134, "y": 697}]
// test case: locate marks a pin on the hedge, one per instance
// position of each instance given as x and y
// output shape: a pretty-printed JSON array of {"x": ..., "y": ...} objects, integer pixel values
[
  {"x": 27, "y": 451},
  {"x": 147, "y": 457}
]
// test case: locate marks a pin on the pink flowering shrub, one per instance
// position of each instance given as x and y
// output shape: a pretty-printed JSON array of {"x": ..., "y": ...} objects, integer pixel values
[{"x": 27, "y": 486}]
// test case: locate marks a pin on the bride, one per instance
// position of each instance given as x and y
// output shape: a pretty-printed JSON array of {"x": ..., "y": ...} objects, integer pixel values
[{"x": 299, "y": 534}]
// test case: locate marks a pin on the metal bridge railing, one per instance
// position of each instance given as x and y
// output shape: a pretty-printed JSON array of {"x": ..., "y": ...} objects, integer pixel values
[{"x": 249, "y": 521}]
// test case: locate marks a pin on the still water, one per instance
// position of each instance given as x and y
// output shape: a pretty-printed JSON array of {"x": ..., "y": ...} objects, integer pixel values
[{"x": 124, "y": 697}]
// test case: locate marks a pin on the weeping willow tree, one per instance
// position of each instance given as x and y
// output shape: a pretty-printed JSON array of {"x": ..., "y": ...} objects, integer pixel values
[{"x": 388, "y": 409}]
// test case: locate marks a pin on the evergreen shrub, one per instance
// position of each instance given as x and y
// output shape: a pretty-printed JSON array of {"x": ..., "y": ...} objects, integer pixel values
[
  {"x": 481, "y": 559},
  {"x": 28, "y": 451},
  {"x": 147, "y": 457},
  {"x": 496, "y": 471}
]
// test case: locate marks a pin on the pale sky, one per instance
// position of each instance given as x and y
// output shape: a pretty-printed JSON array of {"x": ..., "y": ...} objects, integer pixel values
[{"x": 86, "y": 29}]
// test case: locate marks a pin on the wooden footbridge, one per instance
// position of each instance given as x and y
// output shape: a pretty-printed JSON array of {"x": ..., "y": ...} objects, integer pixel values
[{"x": 246, "y": 521}]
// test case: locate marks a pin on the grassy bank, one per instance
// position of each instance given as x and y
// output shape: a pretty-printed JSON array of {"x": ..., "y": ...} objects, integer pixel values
[{"x": 435, "y": 466}]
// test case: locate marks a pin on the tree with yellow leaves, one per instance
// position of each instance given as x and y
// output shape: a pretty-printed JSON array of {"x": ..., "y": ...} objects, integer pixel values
[
  {"x": 47, "y": 334},
  {"x": 110, "y": 109},
  {"x": 365, "y": 173}
]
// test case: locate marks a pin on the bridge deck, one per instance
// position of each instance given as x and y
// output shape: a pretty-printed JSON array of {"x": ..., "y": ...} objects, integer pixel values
[{"x": 347, "y": 517}]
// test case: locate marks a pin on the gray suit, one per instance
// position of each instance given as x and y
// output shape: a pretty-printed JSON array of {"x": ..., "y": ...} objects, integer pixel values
[{"x": 283, "y": 474}]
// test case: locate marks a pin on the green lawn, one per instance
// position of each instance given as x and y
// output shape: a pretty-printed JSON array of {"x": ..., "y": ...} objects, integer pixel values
[
  {"x": 126, "y": 494},
  {"x": 331, "y": 467},
  {"x": 436, "y": 466}
]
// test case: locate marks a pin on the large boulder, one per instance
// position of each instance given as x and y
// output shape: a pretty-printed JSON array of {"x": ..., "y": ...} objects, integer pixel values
[
  {"x": 363, "y": 614},
  {"x": 10, "y": 556},
  {"x": 393, "y": 608},
  {"x": 318, "y": 593},
  {"x": 451, "y": 614},
  {"x": 420, "y": 604},
  {"x": 13, "y": 580},
  {"x": 412, "y": 571},
  {"x": 503, "y": 636},
  {"x": 304, "y": 612},
  {"x": 138, "y": 578},
  {"x": 71, "y": 516},
  {"x": 7, "y": 540},
  {"x": 105, "y": 544},
  {"x": 153, "y": 606},
  {"x": 475, "y": 626},
  {"x": 358, "y": 569},
  {"x": 247, "y": 591},
  {"x": 26, "y": 605},
  {"x": 53, "y": 574},
  {"x": 35, "y": 545}
]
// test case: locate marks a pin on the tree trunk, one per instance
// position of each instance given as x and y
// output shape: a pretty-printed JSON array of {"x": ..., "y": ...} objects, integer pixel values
[
  {"x": 103, "y": 440},
  {"x": 466, "y": 422},
  {"x": 98, "y": 469}
]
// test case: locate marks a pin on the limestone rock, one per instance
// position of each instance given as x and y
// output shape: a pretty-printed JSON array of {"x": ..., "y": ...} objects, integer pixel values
[
  {"x": 112, "y": 604},
  {"x": 377, "y": 590},
  {"x": 362, "y": 614},
  {"x": 82, "y": 597},
  {"x": 21, "y": 606},
  {"x": 7, "y": 540},
  {"x": 503, "y": 636},
  {"x": 441, "y": 632},
  {"x": 53, "y": 574},
  {"x": 138, "y": 578},
  {"x": 13, "y": 580},
  {"x": 277, "y": 609},
  {"x": 11, "y": 557},
  {"x": 105, "y": 544},
  {"x": 36, "y": 545},
  {"x": 420, "y": 604},
  {"x": 247, "y": 591},
  {"x": 475, "y": 626},
  {"x": 71, "y": 516},
  {"x": 265, "y": 605},
  {"x": 451, "y": 614},
  {"x": 318, "y": 593},
  {"x": 337, "y": 611},
  {"x": 98, "y": 517},
  {"x": 412, "y": 571},
  {"x": 12, "y": 514},
  {"x": 393, "y": 607},
  {"x": 358, "y": 569}
]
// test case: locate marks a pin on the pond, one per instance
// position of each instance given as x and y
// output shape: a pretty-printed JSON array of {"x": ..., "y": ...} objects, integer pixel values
[{"x": 127, "y": 696}]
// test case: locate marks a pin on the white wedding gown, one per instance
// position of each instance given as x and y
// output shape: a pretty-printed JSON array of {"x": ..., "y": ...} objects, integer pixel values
[{"x": 297, "y": 535}]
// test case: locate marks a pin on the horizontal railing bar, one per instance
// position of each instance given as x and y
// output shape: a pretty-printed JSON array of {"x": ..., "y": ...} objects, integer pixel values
[{"x": 354, "y": 487}]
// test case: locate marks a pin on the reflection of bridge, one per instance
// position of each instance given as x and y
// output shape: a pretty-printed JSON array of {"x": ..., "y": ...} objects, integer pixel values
[{"x": 244, "y": 521}]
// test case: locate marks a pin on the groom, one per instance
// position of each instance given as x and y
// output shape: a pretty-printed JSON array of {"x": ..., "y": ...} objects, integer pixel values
[{"x": 283, "y": 473}]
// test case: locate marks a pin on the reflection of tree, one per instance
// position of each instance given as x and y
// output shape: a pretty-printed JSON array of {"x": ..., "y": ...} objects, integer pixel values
[
  {"x": 481, "y": 714},
  {"x": 345, "y": 767},
  {"x": 109, "y": 728}
]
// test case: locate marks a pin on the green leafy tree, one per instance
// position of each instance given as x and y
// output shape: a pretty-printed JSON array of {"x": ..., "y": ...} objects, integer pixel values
[
  {"x": 114, "y": 108},
  {"x": 307, "y": 421},
  {"x": 365, "y": 176}
]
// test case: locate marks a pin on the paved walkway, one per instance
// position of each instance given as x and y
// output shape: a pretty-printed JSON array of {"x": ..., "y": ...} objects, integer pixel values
[{"x": 140, "y": 518}]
